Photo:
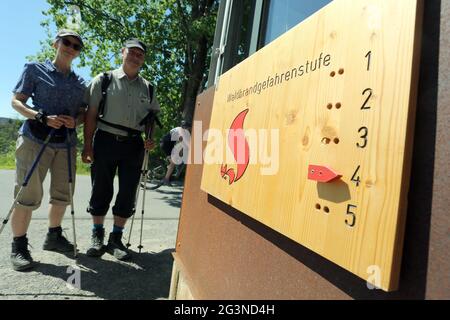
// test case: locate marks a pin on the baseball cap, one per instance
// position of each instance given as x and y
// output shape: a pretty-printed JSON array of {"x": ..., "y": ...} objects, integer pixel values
[
  {"x": 67, "y": 32},
  {"x": 135, "y": 43}
]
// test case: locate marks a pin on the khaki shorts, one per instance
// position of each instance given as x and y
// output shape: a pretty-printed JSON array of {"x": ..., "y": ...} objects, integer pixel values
[{"x": 52, "y": 159}]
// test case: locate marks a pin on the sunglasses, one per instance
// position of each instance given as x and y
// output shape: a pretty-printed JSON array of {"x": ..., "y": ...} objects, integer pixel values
[{"x": 67, "y": 43}]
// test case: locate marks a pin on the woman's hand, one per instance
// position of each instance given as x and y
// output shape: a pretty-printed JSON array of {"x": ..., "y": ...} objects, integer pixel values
[
  {"x": 54, "y": 122},
  {"x": 68, "y": 121}
]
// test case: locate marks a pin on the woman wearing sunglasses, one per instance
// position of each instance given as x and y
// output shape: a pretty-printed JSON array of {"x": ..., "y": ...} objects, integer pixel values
[{"x": 57, "y": 103}]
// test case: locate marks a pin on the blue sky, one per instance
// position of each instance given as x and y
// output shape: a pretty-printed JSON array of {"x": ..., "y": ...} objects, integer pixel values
[{"x": 20, "y": 32}]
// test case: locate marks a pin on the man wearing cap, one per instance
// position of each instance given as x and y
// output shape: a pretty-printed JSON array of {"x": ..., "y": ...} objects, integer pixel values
[
  {"x": 57, "y": 95},
  {"x": 113, "y": 142}
]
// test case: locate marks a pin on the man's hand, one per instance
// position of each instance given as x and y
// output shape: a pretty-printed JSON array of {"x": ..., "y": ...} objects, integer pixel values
[
  {"x": 68, "y": 121},
  {"x": 149, "y": 144},
  {"x": 87, "y": 156},
  {"x": 54, "y": 122}
]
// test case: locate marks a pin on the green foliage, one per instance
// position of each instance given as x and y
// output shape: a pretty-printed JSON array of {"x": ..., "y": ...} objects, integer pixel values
[
  {"x": 82, "y": 168},
  {"x": 8, "y": 137},
  {"x": 178, "y": 34},
  {"x": 172, "y": 29}
]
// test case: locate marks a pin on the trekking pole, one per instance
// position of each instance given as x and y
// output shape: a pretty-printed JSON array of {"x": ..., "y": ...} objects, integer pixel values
[
  {"x": 150, "y": 120},
  {"x": 72, "y": 211},
  {"x": 28, "y": 177},
  {"x": 142, "y": 210},
  {"x": 141, "y": 180}
]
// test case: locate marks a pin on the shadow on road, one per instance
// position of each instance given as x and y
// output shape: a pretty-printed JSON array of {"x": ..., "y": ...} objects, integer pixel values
[
  {"x": 146, "y": 277},
  {"x": 172, "y": 197}
]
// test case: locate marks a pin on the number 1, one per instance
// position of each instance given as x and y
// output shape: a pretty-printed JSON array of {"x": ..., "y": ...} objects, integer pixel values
[{"x": 368, "y": 56}]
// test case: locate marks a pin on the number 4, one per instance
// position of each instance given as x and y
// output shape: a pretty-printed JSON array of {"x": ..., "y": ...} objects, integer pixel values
[{"x": 356, "y": 178}]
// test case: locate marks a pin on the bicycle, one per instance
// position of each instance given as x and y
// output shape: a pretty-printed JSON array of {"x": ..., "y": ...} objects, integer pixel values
[{"x": 155, "y": 175}]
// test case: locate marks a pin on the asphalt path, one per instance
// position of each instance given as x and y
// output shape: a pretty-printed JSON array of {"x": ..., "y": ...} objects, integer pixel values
[{"x": 60, "y": 277}]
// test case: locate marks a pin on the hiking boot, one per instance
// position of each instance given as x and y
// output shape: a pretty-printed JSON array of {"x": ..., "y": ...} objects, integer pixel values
[
  {"x": 97, "y": 248},
  {"x": 55, "y": 241},
  {"x": 20, "y": 255},
  {"x": 116, "y": 247}
]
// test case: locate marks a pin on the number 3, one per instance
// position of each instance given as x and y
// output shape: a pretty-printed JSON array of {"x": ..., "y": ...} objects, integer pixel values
[{"x": 365, "y": 132}]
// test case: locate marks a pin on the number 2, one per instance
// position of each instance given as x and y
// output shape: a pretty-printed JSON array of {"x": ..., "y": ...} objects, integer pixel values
[{"x": 364, "y": 106}]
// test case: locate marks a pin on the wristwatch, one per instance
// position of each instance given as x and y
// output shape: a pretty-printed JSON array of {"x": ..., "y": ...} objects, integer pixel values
[{"x": 41, "y": 117}]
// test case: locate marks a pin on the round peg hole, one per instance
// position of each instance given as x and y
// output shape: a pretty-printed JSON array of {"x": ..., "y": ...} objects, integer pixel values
[
  {"x": 336, "y": 140},
  {"x": 326, "y": 140},
  {"x": 338, "y": 105},
  {"x": 332, "y": 74},
  {"x": 329, "y": 106},
  {"x": 341, "y": 71},
  {"x": 318, "y": 207},
  {"x": 326, "y": 209}
]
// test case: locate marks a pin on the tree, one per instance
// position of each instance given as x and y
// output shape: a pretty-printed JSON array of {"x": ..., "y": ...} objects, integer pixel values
[{"x": 179, "y": 34}]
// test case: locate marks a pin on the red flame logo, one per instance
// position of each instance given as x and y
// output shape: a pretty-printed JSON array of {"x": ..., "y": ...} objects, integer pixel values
[{"x": 238, "y": 144}]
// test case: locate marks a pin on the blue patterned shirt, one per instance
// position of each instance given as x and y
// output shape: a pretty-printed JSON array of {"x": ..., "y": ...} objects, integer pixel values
[{"x": 53, "y": 92}]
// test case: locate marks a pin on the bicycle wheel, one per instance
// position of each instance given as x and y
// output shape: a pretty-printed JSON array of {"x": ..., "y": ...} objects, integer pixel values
[{"x": 154, "y": 178}]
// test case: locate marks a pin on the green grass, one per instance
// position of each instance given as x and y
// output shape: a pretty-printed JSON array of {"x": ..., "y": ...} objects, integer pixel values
[
  {"x": 82, "y": 168},
  {"x": 7, "y": 162}
]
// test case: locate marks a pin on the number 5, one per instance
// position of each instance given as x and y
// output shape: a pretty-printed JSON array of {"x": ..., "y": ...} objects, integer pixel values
[{"x": 349, "y": 212}]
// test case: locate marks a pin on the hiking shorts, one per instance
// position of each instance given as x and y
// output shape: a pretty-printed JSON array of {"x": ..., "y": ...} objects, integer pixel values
[{"x": 53, "y": 160}]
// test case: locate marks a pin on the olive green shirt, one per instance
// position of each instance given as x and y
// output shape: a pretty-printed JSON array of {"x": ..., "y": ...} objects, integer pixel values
[{"x": 127, "y": 101}]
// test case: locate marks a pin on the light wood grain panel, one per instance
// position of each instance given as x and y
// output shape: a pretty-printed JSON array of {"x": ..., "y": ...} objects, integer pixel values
[{"x": 338, "y": 38}]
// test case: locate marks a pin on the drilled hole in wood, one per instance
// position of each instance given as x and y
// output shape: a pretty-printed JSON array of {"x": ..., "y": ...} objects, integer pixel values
[
  {"x": 336, "y": 140},
  {"x": 329, "y": 106},
  {"x": 318, "y": 206},
  {"x": 338, "y": 105},
  {"x": 326, "y": 140},
  {"x": 332, "y": 74},
  {"x": 341, "y": 71},
  {"x": 326, "y": 209}
]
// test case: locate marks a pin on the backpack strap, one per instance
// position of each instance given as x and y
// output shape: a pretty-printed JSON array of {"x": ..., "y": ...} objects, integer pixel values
[
  {"x": 106, "y": 81},
  {"x": 150, "y": 92}
]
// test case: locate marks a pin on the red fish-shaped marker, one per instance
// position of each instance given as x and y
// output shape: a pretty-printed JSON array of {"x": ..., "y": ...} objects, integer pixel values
[{"x": 322, "y": 174}]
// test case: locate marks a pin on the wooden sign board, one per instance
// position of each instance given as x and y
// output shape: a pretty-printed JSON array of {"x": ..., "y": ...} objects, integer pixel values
[{"x": 331, "y": 107}]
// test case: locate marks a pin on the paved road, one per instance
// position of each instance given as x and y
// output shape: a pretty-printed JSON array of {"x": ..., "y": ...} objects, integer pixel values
[
  {"x": 61, "y": 277},
  {"x": 163, "y": 203}
]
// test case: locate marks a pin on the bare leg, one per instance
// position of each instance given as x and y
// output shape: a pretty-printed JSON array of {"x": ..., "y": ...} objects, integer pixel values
[
  {"x": 119, "y": 221},
  {"x": 170, "y": 169},
  {"x": 98, "y": 219},
  {"x": 20, "y": 221},
  {"x": 56, "y": 214}
]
